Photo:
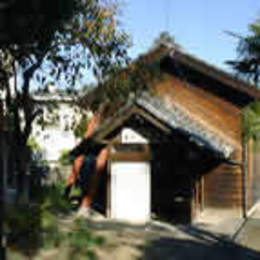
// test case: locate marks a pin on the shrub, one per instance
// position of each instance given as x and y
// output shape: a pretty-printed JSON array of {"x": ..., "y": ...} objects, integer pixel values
[
  {"x": 65, "y": 158},
  {"x": 82, "y": 241}
]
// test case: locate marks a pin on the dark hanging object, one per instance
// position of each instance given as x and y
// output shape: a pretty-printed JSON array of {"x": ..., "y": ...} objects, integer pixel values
[
  {"x": 25, "y": 21},
  {"x": 87, "y": 146}
]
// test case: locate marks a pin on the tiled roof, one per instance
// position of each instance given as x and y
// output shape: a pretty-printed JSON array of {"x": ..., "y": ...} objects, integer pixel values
[
  {"x": 171, "y": 115},
  {"x": 174, "y": 118}
]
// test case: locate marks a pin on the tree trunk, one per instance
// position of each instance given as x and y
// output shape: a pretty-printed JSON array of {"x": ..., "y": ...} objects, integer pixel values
[
  {"x": 22, "y": 160},
  {"x": 2, "y": 208}
]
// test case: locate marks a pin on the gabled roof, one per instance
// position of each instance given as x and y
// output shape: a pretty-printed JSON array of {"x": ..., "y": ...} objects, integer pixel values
[
  {"x": 216, "y": 73},
  {"x": 209, "y": 114},
  {"x": 179, "y": 119},
  {"x": 184, "y": 66},
  {"x": 166, "y": 118}
]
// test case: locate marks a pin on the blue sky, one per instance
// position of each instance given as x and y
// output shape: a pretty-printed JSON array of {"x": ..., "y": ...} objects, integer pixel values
[{"x": 197, "y": 25}]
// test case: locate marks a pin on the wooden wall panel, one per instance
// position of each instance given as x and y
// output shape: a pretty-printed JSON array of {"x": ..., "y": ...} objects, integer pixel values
[
  {"x": 223, "y": 187},
  {"x": 255, "y": 188},
  {"x": 253, "y": 174}
]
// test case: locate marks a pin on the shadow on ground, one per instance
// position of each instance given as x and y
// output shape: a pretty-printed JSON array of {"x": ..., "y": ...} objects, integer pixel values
[{"x": 199, "y": 245}]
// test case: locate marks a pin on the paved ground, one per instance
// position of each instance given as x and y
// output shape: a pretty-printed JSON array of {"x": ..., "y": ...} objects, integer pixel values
[
  {"x": 230, "y": 239},
  {"x": 159, "y": 240},
  {"x": 250, "y": 232}
]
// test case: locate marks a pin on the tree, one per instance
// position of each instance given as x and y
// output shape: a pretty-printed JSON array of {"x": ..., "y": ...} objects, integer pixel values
[
  {"x": 251, "y": 122},
  {"x": 58, "y": 39},
  {"x": 247, "y": 64},
  {"x": 125, "y": 84}
]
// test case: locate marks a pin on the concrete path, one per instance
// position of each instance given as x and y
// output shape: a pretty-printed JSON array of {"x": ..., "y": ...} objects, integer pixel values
[
  {"x": 159, "y": 240},
  {"x": 250, "y": 233}
]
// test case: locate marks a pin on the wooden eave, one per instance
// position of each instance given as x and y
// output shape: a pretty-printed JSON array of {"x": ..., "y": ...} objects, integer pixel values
[
  {"x": 189, "y": 61},
  {"x": 120, "y": 117},
  {"x": 216, "y": 74},
  {"x": 166, "y": 118}
]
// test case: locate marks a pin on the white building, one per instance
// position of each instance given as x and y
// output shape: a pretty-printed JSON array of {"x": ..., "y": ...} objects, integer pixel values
[{"x": 58, "y": 134}]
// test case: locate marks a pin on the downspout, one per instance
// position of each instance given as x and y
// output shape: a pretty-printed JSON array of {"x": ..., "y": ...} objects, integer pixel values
[
  {"x": 243, "y": 166},
  {"x": 244, "y": 187},
  {"x": 244, "y": 176}
]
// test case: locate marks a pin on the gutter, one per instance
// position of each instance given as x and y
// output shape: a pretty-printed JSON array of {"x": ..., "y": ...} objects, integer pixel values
[{"x": 232, "y": 162}]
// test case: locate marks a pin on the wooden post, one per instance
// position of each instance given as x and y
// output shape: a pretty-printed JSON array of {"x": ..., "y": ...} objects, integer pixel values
[
  {"x": 202, "y": 198},
  {"x": 108, "y": 206},
  {"x": 244, "y": 177},
  {"x": 197, "y": 199},
  {"x": 250, "y": 173}
]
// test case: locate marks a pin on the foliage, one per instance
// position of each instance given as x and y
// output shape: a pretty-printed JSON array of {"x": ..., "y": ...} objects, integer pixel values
[
  {"x": 87, "y": 39},
  {"x": 52, "y": 204},
  {"x": 34, "y": 146},
  {"x": 126, "y": 84},
  {"x": 39, "y": 168},
  {"x": 81, "y": 127},
  {"x": 65, "y": 158},
  {"x": 34, "y": 227},
  {"x": 52, "y": 40},
  {"x": 49, "y": 115},
  {"x": 82, "y": 241},
  {"x": 38, "y": 220},
  {"x": 52, "y": 200},
  {"x": 247, "y": 63},
  {"x": 251, "y": 121},
  {"x": 23, "y": 226}
]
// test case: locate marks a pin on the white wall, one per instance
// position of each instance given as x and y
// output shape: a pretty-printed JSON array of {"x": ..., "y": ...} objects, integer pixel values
[
  {"x": 131, "y": 191},
  {"x": 129, "y": 136},
  {"x": 60, "y": 136},
  {"x": 53, "y": 141}
]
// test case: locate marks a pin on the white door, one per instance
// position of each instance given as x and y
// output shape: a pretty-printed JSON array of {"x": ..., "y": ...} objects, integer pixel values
[{"x": 130, "y": 191}]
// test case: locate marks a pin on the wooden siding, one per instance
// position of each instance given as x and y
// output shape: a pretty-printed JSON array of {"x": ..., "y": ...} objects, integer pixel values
[
  {"x": 217, "y": 115},
  {"x": 253, "y": 174},
  {"x": 256, "y": 176},
  {"x": 176, "y": 182},
  {"x": 223, "y": 187}
]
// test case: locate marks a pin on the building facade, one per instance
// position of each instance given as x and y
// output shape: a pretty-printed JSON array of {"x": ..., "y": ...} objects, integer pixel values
[{"x": 191, "y": 119}]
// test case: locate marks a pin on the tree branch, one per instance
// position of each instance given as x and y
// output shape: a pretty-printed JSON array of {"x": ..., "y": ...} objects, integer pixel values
[{"x": 28, "y": 124}]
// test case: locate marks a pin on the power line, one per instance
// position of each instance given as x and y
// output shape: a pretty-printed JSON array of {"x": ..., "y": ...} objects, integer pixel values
[{"x": 167, "y": 11}]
